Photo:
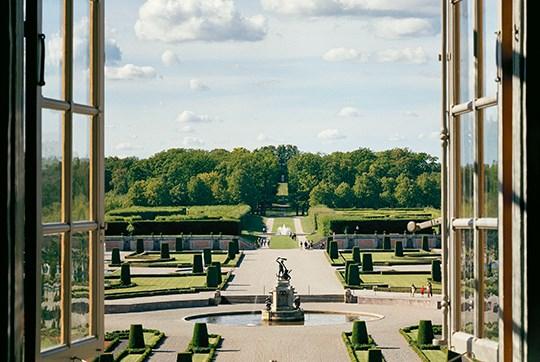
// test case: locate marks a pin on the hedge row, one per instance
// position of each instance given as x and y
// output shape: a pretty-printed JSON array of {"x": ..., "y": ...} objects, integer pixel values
[
  {"x": 196, "y": 227},
  {"x": 371, "y": 226}
]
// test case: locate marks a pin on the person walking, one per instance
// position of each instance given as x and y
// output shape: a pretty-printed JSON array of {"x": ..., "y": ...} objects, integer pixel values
[
  {"x": 429, "y": 290},
  {"x": 422, "y": 289},
  {"x": 413, "y": 290}
]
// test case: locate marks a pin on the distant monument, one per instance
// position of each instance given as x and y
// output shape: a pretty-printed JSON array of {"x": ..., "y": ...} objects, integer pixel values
[{"x": 283, "y": 305}]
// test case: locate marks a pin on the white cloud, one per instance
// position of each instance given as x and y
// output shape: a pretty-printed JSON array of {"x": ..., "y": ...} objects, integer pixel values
[
  {"x": 169, "y": 58},
  {"x": 330, "y": 135},
  {"x": 352, "y": 7},
  {"x": 198, "y": 85},
  {"x": 192, "y": 142},
  {"x": 130, "y": 72},
  {"x": 126, "y": 146},
  {"x": 411, "y": 114},
  {"x": 344, "y": 54},
  {"x": 392, "y": 28},
  {"x": 349, "y": 112},
  {"x": 264, "y": 138},
  {"x": 176, "y": 21},
  {"x": 191, "y": 117},
  {"x": 187, "y": 129},
  {"x": 405, "y": 55},
  {"x": 396, "y": 137}
]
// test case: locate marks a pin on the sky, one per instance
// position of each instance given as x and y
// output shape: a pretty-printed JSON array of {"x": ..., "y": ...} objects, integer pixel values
[{"x": 325, "y": 75}]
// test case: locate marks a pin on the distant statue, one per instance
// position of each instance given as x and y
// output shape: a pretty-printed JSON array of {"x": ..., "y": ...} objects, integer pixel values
[
  {"x": 297, "y": 302},
  {"x": 268, "y": 303},
  {"x": 283, "y": 272}
]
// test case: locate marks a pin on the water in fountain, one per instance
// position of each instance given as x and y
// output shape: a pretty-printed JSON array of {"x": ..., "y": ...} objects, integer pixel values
[{"x": 283, "y": 230}]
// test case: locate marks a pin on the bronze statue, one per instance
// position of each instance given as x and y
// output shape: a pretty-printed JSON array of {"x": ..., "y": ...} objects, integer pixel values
[{"x": 283, "y": 272}]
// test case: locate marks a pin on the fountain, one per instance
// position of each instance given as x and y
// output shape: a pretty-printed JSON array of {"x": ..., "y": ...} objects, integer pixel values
[
  {"x": 284, "y": 305},
  {"x": 283, "y": 230}
]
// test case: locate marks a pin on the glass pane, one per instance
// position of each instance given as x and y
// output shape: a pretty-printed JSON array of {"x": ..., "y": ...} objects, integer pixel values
[
  {"x": 466, "y": 54},
  {"x": 80, "y": 286},
  {"x": 81, "y": 52},
  {"x": 466, "y": 281},
  {"x": 491, "y": 157},
  {"x": 81, "y": 167},
  {"x": 491, "y": 284},
  {"x": 51, "y": 165},
  {"x": 51, "y": 291},
  {"x": 491, "y": 26},
  {"x": 53, "y": 28},
  {"x": 466, "y": 165}
]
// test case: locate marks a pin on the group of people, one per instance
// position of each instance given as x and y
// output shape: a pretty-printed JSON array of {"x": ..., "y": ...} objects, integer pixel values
[
  {"x": 263, "y": 242},
  {"x": 306, "y": 244},
  {"x": 428, "y": 290}
]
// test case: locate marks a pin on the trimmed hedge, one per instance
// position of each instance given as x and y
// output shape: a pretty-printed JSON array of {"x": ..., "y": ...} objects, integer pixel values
[
  {"x": 164, "y": 252},
  {"x": 115, "y": 257},
  {"x": 367, "y": 262},
  {"x": 106, "y": 357},
  {"x": 207, "y": 257},
  {"x": 374, "y": 355},
  {"x": 179, "y": 244},
  {"x": 356, "y": 254},
  {"x": 200, "y": 335},
  {"x": 231, "y": 254},
  {"x": 372, "y": 226},
  {"x": 353, "y": 275},
  {"x": 184, "y": 357},
  {"x": 140, "y": 246},
  {"x": 197, "y": 264},
  {"x": 425, "y": 333},
  {"x": 333, "y": 250},
  {"x": 196, "y": 227},
  {"x": 212, "y": 279},
  {"x": 217, "y": 264},
  {"x": 136, "y": 337},
  {"x": 436, "y": 270},
  {"x": 399, "y": 248},
  {"x": 425, "y": 243},
  {"x": 125, "y": 274},
  {"x": 387, "y": 244},
  {"x": 347, "y": 264},
  {"x": 359, "y": 333}
]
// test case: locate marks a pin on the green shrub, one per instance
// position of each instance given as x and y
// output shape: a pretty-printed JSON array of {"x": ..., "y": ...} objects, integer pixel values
[
  {"x": 356, "y": 254},
  {"x": 164, "y": 253},
  {"x": 200, "y": 335},
  {"x": 347, "y": 263},
  {"x": 425, "y": 243},
  {"x": 328, "y": 241},
  {"x": 387, "y": 245},
  {"x": 212, "y": 276},
  {"x": 399, "y": 248},
  {"x": 333, "y": 250},
  {"x": 197, "y": 264},
  {"x": 374, "y": 355},
  {"x": 217, "y": 264},
  {"x": 231, "y": 254},
  {"x": 106, "y": 357},
  {"x": 367, "y": 262},
  {"x": 184, "y": 357},
  {"x": 359, "y": 333},
  {"x": 436, "y": 270},
  {"x": 140, "y": 246},
  {"x": 207, "y": 257},
  {"x": 136, "y": 337},
  {"x": 115, "y": 257},
  {"x": 179, "y": 244},
  {"x": 236, "y": 244},
  {"x": 353, "y": 276},
  {"x": 125, "y": 274},
  {"x": 425, "y": 332}
]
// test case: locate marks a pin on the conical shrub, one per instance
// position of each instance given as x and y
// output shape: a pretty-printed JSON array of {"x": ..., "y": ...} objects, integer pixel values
[
  {"x": 387, "y": 245},
  {"x": 115, "y": 257},
  {"x": 200, "y": 335},
  {"x": 367, "y": 262},
  {"x": 236, "y": 246},
  {"x": 125, "y": 274},
  {"x": 425, "y": 332},
  {"x": 140, "y": 246},
  {"x": 374, "y": 355},
  {"x": 106, "y": 357},
  {"x": 356, "y": 254},
  {"x": 425, "y": 243},
  {"x": 136, "y": 336},
  {"x": 184, "y": 357},
  {"x": 212, "y": 276},
  {"x": 359, "y": 333},
  {"x": 333, "y": 250},
  {"x": 230, "y": 251},
  {"x": 436, "y": 270},
  {"x": 164, "y": 252},
  {"x": 197, "y": 264},
  {"x": 328, "y": 241},
  {"x": 179, "y": 244},
  {"x": 399, "y": 248},
  {"x": 347, "y": 263},
  {"x": 353, "y": 276},
  {"x": 217, "y": 264},
  {"x": 207, "y": 256}
]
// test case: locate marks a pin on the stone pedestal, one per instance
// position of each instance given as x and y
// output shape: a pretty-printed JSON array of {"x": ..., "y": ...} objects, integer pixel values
[{"x": 283, "y": 307}]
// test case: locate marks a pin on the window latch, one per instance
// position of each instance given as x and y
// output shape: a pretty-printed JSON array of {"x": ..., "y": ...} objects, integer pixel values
[{"x": 41, "y": 76}]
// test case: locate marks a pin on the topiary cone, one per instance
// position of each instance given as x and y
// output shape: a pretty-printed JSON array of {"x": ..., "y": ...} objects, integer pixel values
[
  {"x": 164, "y": 252},
  {"x": 387, "y": 245},
  {"x": 106, "y": 357},
  {"x": 217, "y": 264},
  {"x": 359, "y": 333},
  {"x": 367, "y": 262},
  {"x": 136, "y": 337},
  {"x": 115, "y": 257},
  {"x": 236, "y": 246},
  {"x": 347, "y": 263},
  {"x": 207, "y": 256},
  {"x": 425, "y": 332},
  {"x": 200, "y": 335},
  {"x": 197, "y": 264},
  {"x": 399, "y": 248},
  {"x": 212, "y": 276},
  {"x": 374, "y": 355},
  {"x": 230, "y": 251},
  {"x": 334, "y": 250},
  {"x": 425, "y": 243},
  {"x": 184, "y": 357},
  {"x": 356, "y": 254},
  {"x": 179, "y": 244},
  {"x": 140, "y": 246},
  {"x": 436, "y": 270},
  {"x": 125, "y": 274},
  {"x": 353, "y": 275}
]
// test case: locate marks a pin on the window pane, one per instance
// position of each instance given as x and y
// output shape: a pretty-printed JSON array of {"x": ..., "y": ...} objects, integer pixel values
[
  {"x": 466, "y": 281},
  {"x": 491, "y": 157},
  {"x": 81, "y": 52},
  {"x": 466, "y": 165},
  {"x": 81, "y": 167},
  {"x": 51, "y": 291},
  {"x": 466, "y": 54},
  {"x": 491, "y": 284},
  {"x": 80, "y": 286},
  {"x": 51, "y": 165},
  {"x": 53, "y": 28},
  {"x": 491, "y": 26}
]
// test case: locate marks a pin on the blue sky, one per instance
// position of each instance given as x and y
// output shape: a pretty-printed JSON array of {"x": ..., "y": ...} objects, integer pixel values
[{"x": 324, "y": 75}]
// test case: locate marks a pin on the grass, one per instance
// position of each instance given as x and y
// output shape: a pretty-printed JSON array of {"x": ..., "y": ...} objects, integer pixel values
[
  {"x": 426, "y": 355},
  {"x": 132, "y": 357},
  {"x": 307, "y": 224},
  {"x": 227, "y": 212},
  {"x": 283, "y": 189},
  {"x": 400, "y": 280},
  {"x": 280, "y": 221},
  {"x": 160, "y": 283},
  {"x": 214, "y": 341},
  {"x": 388, "y": 258},
  {"x": 186, "y": 259},
  {"x": 282, "y": 242}
]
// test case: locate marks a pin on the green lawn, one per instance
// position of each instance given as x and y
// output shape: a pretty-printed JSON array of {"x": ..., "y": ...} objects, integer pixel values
[
  {"x": 283, "y": 189},
  {"x": 436, "y": 355},
  {"x": 280, "y": 221},
  {"x": 179, "y": 258},
  {"x": 160, "y": 283},
  {"x": 282, "y": 242},
  {"x": 132, "y": 357},
  {"x": 388, "y": 257},
  {"x": 400, "y": 280}
]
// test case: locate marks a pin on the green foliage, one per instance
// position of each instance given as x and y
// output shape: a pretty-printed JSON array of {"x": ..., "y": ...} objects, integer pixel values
[
  {"x": 367, "y": 262},
  {"x": 347, "y": 263},
  {"x": 197, "y": 264},
  {"x": 436, "y": 270},
  {"x": 125, "y": 274},
  {"x": 184, "y": 357},
  {"x": 106, "y": 357},
  {"x": 140, "y": 246},
  {"x": 425, "y": 243},
  {"x": 115, "y": 257},
  {"x": 164, "y": 252},
  {"x": 231, "y": 250},
  {"x": 333, "y": 251},
  {"x": 425, "y": 333},
  {"x": 207, "y": 257},
  {"x": 236, "y": 246},
  {"x": 179, "y": 244},
  {"x": 356, "y": 254},
  {"x": 217, "y": 264},
  {"x": 136, "y": 337},
  {"x": 399, "y": 248},
  {"x": 200, "y": 335},
  {"x": 212, "y": 279},
  {"x": 374, "y": 355},
  {"x": 359, "y": 333},
  {"x": 353, "y": 276},
  {"x": 387, "y": 245}
]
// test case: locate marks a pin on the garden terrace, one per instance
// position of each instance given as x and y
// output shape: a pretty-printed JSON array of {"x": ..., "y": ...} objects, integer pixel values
[
  {"x": 392, "y": 281},
  {"x": 116, "y": 342},
  {"x": 387, "y": 258},
  {"x": 427, "y": 353},
  {"x": 178, "y": 259}
]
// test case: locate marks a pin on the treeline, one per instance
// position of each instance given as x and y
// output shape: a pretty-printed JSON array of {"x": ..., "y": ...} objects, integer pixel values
[{"x": 361, "y": 178}]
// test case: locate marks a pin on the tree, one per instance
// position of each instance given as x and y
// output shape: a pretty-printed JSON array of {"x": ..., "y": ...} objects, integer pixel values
[
  {"x": 322, "y": 194},
  {"x": 367, "y": 189},
  {"x": 344, "y": 196}
]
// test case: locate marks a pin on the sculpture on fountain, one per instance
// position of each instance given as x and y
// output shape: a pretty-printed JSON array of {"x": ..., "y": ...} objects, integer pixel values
[{"x": 284, "y": 305}]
